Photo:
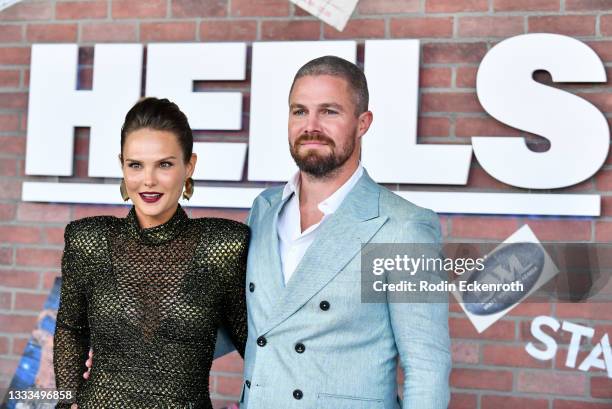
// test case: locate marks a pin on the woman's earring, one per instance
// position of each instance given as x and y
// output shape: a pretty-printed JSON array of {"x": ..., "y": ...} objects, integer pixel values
[
  {"x": 188, "y": 192},
  {"x": 123, "y": 190}
]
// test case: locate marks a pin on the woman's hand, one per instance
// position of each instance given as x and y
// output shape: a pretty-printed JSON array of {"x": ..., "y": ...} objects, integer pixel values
[{"x": 88, "y": 364}]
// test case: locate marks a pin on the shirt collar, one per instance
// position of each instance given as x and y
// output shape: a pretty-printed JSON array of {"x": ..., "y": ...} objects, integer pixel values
[{"x": 333, "y": 202}]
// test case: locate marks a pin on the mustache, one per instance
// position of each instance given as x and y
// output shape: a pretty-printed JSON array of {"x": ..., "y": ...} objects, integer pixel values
[{"x": 306, "y": 137}]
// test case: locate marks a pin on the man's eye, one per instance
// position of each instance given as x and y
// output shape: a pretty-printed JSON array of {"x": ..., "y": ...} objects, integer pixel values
[
  {"x": 165, "y": 164},
  {"x": 134, "y": 165},
  {"x": 299, "y": 112},
  {"x": 330, "y": 112}
]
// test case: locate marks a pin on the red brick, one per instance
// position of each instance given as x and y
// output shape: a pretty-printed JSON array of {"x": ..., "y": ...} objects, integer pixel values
[
  {"x": 260, "y": 8},
  {"x": 601, "y": 387},
  {"x": 238, "y": 215},
  {"x": 54, "y": 235},
  {"x": 14, "y": 55},
  {"x": 37, "y": 33},
  {"x": 526, "y": 5},
  {"x": 388, "y": 6},
  {"x": 108, "y": 32},
  {"x": 13, "y": 100},
  {"x": 42, "y": 10},
  {"x": 433, "y": 126},
  {"x": 588, "y": 311},
  {"x": 362, "y": 28},
  {"x": 27, "y": 301},
  {"x": 581, "y": 5},
  {"x": 10, "y": 189},
  {"x": 17, "y": 323},
  {"x": 199, "y": 8},
  {"x": 568, "y": 25},
  {"x": 7, "y": 211},
  {"x": 11, "y": 33},
  {"x": 466, "y": 77},
  {"x": 81, "y": 211},
  {"x": 450, "y": 102},
  {"x": 5, "y": 303},
  {"x": 19, "y": 278},
  {"x": 515, "y": 356},
  {"x": 483, "y": 127},
  {"x": 19, "y": 344},
  {"x": 38, "y": 257},
  {"x": 228, "y": 385},
  {"x": 481, "y": 379},
  {"x": 48, "y": 279},
  {"x": 4, "y": 345},
  {"x": 138, "y": 9},
  {"x": 435, "y": 77},
  {"x": 574, "y": 404},
  {"x": 453, "y": 6},
  {"x": 290, "y": 30},
  {"x": 605, "y": 26},
  {"x": 39, "y": 212},
  {"x": 414, "y": 27},
  {"x": 602, "y": 48},
  {"x": 152, "y": 32},
  {"x": 465, "y": 353},
  {"x": 448, "y": 53},
  {"x": 490, "y": 26},
  {"x": 529, "y": 309},
  {"x": 75, "y": 10},
  {"x": 603, "y": 180},
  {"x": 6, "y": 255},
  {"x": 480, "y": 227},
  {"x": 20, "y": 234},
  {"x": 559, "y": 229},
  {"x": 463, "y": 401},
  {"x": 13, "y": 145},
  {"x": 237, "y": 30},
  {"x": 463, "y": 328},
  {"x": 228, "y": 363},
  {"x": 551, "y": 383},
  {"x": 9, "y": 122},
  {"x": 479, "y": 178},
  {"x": 603, "y": 232},
  {"x": 9, "y": 79},
  {"x": 511, "y": 402}
]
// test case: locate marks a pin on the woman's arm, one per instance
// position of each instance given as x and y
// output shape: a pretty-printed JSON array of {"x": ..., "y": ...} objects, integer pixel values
[{"x": 71, "y": 340}]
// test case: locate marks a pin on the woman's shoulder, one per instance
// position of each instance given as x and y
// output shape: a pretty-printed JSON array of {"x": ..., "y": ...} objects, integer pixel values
[
  {"x": 222, "y": 227},
  {"x": 89, "y": 230}
]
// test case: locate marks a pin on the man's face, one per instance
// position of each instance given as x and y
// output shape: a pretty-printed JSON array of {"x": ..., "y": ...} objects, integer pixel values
[{"x": 323, "y": 128}]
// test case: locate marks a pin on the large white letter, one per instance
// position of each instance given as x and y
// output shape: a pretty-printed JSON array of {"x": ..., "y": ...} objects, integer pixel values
[
  {"x": 549, "y": 342},
  {"x": 594, "y": 361},
  {"x": 274, "y": 66},
  {"x": 577, "y": 131},
  {"x": 578, "y": 331},
  {"x": 390, "y": 150},
  {"x": 56, "y": 107}
]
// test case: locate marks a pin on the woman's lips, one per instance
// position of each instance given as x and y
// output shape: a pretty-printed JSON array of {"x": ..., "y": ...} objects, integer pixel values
[{"x": 150, "y": 197}]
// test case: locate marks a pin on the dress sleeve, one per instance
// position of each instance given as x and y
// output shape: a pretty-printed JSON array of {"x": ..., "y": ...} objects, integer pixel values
[
  {"x": 71, "y": 340},
  {"x": 235, "y": 316}
]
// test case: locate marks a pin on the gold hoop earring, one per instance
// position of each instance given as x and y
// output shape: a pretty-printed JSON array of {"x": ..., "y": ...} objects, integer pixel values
[
  {"x": 123, "y": 190},
  {"x": 188, "y": 192}
]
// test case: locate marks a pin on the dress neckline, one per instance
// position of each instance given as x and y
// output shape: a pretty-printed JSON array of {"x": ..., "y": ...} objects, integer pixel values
[{"x": 163, "y": 233}]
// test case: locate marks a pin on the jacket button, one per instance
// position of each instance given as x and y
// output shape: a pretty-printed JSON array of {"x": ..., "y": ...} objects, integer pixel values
[
  {"x": 261, "y": 341},
  {"x": 324, "y": 305},
  {"x": 297, "y": 394},
  {"x": 248, "y": 383},
  {"x": 299, "y": 348},
  {"x": 251, "y": 287}
]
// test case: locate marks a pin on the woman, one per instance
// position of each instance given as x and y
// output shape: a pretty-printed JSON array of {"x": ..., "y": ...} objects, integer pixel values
[{"x": 149, "y": 291}]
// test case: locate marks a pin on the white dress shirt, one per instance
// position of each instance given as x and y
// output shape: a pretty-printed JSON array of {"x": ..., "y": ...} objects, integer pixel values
[{"x": 293, "y": 242}]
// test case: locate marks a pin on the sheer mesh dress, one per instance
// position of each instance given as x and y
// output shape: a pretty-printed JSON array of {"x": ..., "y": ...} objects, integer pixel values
[{"x": 149, "y": 302}]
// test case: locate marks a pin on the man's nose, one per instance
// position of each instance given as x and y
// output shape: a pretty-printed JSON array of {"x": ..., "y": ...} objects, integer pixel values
[{"x": 313, "y": 123}]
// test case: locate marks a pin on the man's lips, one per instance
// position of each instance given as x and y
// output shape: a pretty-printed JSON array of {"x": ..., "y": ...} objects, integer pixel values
[{"x": 150, "y": 197}]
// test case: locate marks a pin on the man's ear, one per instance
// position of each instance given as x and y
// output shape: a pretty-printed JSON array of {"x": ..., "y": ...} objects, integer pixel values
[{"x": 365, "y": 120}]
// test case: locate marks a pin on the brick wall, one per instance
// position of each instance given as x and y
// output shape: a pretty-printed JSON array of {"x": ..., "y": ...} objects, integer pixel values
[{"x": 491, "y": 370}]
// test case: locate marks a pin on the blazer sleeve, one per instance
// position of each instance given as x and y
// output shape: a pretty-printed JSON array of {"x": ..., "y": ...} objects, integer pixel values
[
  {"x": 421, "y": 336},
  {"x": 71, "y": 339}
]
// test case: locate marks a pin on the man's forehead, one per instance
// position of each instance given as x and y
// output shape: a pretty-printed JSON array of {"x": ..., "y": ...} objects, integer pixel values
[{"x": 326, "y": 88}]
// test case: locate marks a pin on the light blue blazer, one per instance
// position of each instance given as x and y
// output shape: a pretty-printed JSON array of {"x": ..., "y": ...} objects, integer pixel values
[{"x": 313, "y": 343}]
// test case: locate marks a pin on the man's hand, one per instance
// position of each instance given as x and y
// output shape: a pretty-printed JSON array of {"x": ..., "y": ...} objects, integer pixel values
[{"x": 88, "y": 364}]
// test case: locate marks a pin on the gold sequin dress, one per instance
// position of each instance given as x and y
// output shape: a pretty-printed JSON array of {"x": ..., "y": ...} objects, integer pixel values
[{"x": 149, "y": 302}]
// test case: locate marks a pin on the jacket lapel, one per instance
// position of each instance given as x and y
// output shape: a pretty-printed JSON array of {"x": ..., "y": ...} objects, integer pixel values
[{"x": 339, "y": 240}]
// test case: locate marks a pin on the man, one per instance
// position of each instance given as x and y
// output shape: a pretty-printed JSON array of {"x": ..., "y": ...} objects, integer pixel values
[{"x": 312, "y": 342}]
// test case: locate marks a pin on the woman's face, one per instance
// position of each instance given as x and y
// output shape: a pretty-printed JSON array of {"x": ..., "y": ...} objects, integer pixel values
[{"x": 154, "y": 171}]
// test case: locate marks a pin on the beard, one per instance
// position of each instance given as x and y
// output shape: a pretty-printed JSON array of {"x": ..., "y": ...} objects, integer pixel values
[{"x": 317, "y": 164}]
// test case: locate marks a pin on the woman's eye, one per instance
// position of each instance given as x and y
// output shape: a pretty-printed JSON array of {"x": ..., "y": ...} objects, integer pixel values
[
  {"x": 134, "y": 165},
  {"x": 165, "y": 164}
]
